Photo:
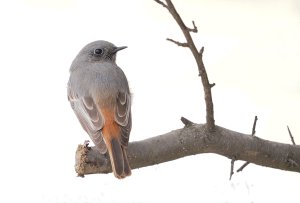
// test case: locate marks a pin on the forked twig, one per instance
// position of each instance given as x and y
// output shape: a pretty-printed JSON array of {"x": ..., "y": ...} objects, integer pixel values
[{"x": 210, "y": 122}]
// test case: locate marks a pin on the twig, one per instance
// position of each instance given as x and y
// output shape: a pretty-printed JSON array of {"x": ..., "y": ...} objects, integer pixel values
[
  {"x": 291, "y": 136},
  {"x": 181, "y": 44},
  {"x": 253, "y": 133},
  {"x": 161, "y": 3},
  {"x": 243, "y": 166},
  {"x": 201, "y": 51},
  {"x": 291, "y": 161},
  {"x": 210, "y": 122},
  {"x": 232, "y": 167},
  {"x": 254, "y": 126},
  {"x": 194, "y": 29},
  {"x": 186, "y": 122}
]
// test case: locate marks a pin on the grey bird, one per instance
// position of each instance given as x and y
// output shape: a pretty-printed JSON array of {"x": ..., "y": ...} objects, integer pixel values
[{"x": 99, "y": 95}]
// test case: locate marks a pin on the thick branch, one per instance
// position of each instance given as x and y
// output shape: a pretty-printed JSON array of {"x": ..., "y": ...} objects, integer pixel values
[
  {"x": 191, "y": 140},
  {"x": 198, "y": 57}
]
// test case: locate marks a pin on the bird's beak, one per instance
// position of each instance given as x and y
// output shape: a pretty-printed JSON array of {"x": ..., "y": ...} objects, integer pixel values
[{"x": 118, "y": 49}]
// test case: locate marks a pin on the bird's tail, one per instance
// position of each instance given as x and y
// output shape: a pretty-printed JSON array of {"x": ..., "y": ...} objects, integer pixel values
[
  {"x": 118, "y": 158},
  {"x": 111, "y": 132}
]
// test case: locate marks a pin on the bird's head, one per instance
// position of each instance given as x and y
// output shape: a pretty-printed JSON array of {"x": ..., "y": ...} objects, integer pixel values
[{"x": 99, "y": 51}]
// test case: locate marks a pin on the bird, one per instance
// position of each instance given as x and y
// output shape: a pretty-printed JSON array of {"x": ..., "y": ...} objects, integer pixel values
[{"x": 100, "y": 97}]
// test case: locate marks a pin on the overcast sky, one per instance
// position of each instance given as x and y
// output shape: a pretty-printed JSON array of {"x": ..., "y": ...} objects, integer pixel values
[{"x": 252, "y": 52}]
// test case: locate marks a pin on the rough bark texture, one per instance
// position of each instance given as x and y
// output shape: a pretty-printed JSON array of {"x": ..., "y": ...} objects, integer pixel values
[{"x": 191, "y": 140}]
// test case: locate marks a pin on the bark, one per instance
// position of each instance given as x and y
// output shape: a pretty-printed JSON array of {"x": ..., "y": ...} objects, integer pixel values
[{"x": 191, "y": 140}]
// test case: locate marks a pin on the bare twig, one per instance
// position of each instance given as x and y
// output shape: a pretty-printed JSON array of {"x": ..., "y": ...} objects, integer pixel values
[
  {"x": 201, "y": 51},
  {"x": 254, "y": 126},
  {"x": 210, "y": 122},
  {"x": 291, "y": 136},
  {"x": 211, "y": 85},
  {"x": 186, "y": 122},
  {"x": 181, "y": 44},
  {"x": 253, "y": 133},
  {"x": 232, "y": 167},
  {"x": 243, "y": 166},
  {"x": 194, "y": 29},
  {"x": 161, "y": 3}
]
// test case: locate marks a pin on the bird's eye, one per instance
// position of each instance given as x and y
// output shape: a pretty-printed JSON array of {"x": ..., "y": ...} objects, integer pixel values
[{"x": 98, "y": 51}]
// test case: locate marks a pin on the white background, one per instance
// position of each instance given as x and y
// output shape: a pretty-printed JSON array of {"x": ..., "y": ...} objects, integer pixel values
[{"x": 252, "y": 51}]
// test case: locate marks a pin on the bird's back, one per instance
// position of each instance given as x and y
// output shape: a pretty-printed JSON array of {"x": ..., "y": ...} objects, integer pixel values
[{"x": 100, "y": 80}]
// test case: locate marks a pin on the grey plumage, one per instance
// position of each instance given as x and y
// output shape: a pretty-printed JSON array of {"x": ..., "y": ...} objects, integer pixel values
[{"x": 99, "y": 95}]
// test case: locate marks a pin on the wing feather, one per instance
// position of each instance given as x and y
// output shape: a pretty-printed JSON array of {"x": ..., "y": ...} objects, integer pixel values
[
  {"x": 123, "y": 116},
  {"x": 90, "y": 118}
]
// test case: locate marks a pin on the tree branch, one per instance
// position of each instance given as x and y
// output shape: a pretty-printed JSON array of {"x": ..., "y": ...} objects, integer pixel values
[
  {"x": 198, "y": 57},
  {"x": 191, "y": 140}
]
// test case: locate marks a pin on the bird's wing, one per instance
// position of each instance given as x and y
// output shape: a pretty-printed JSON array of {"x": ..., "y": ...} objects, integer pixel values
[
  {"x": 89, "y": 117},
  {"x": 123, "y": 115}
]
